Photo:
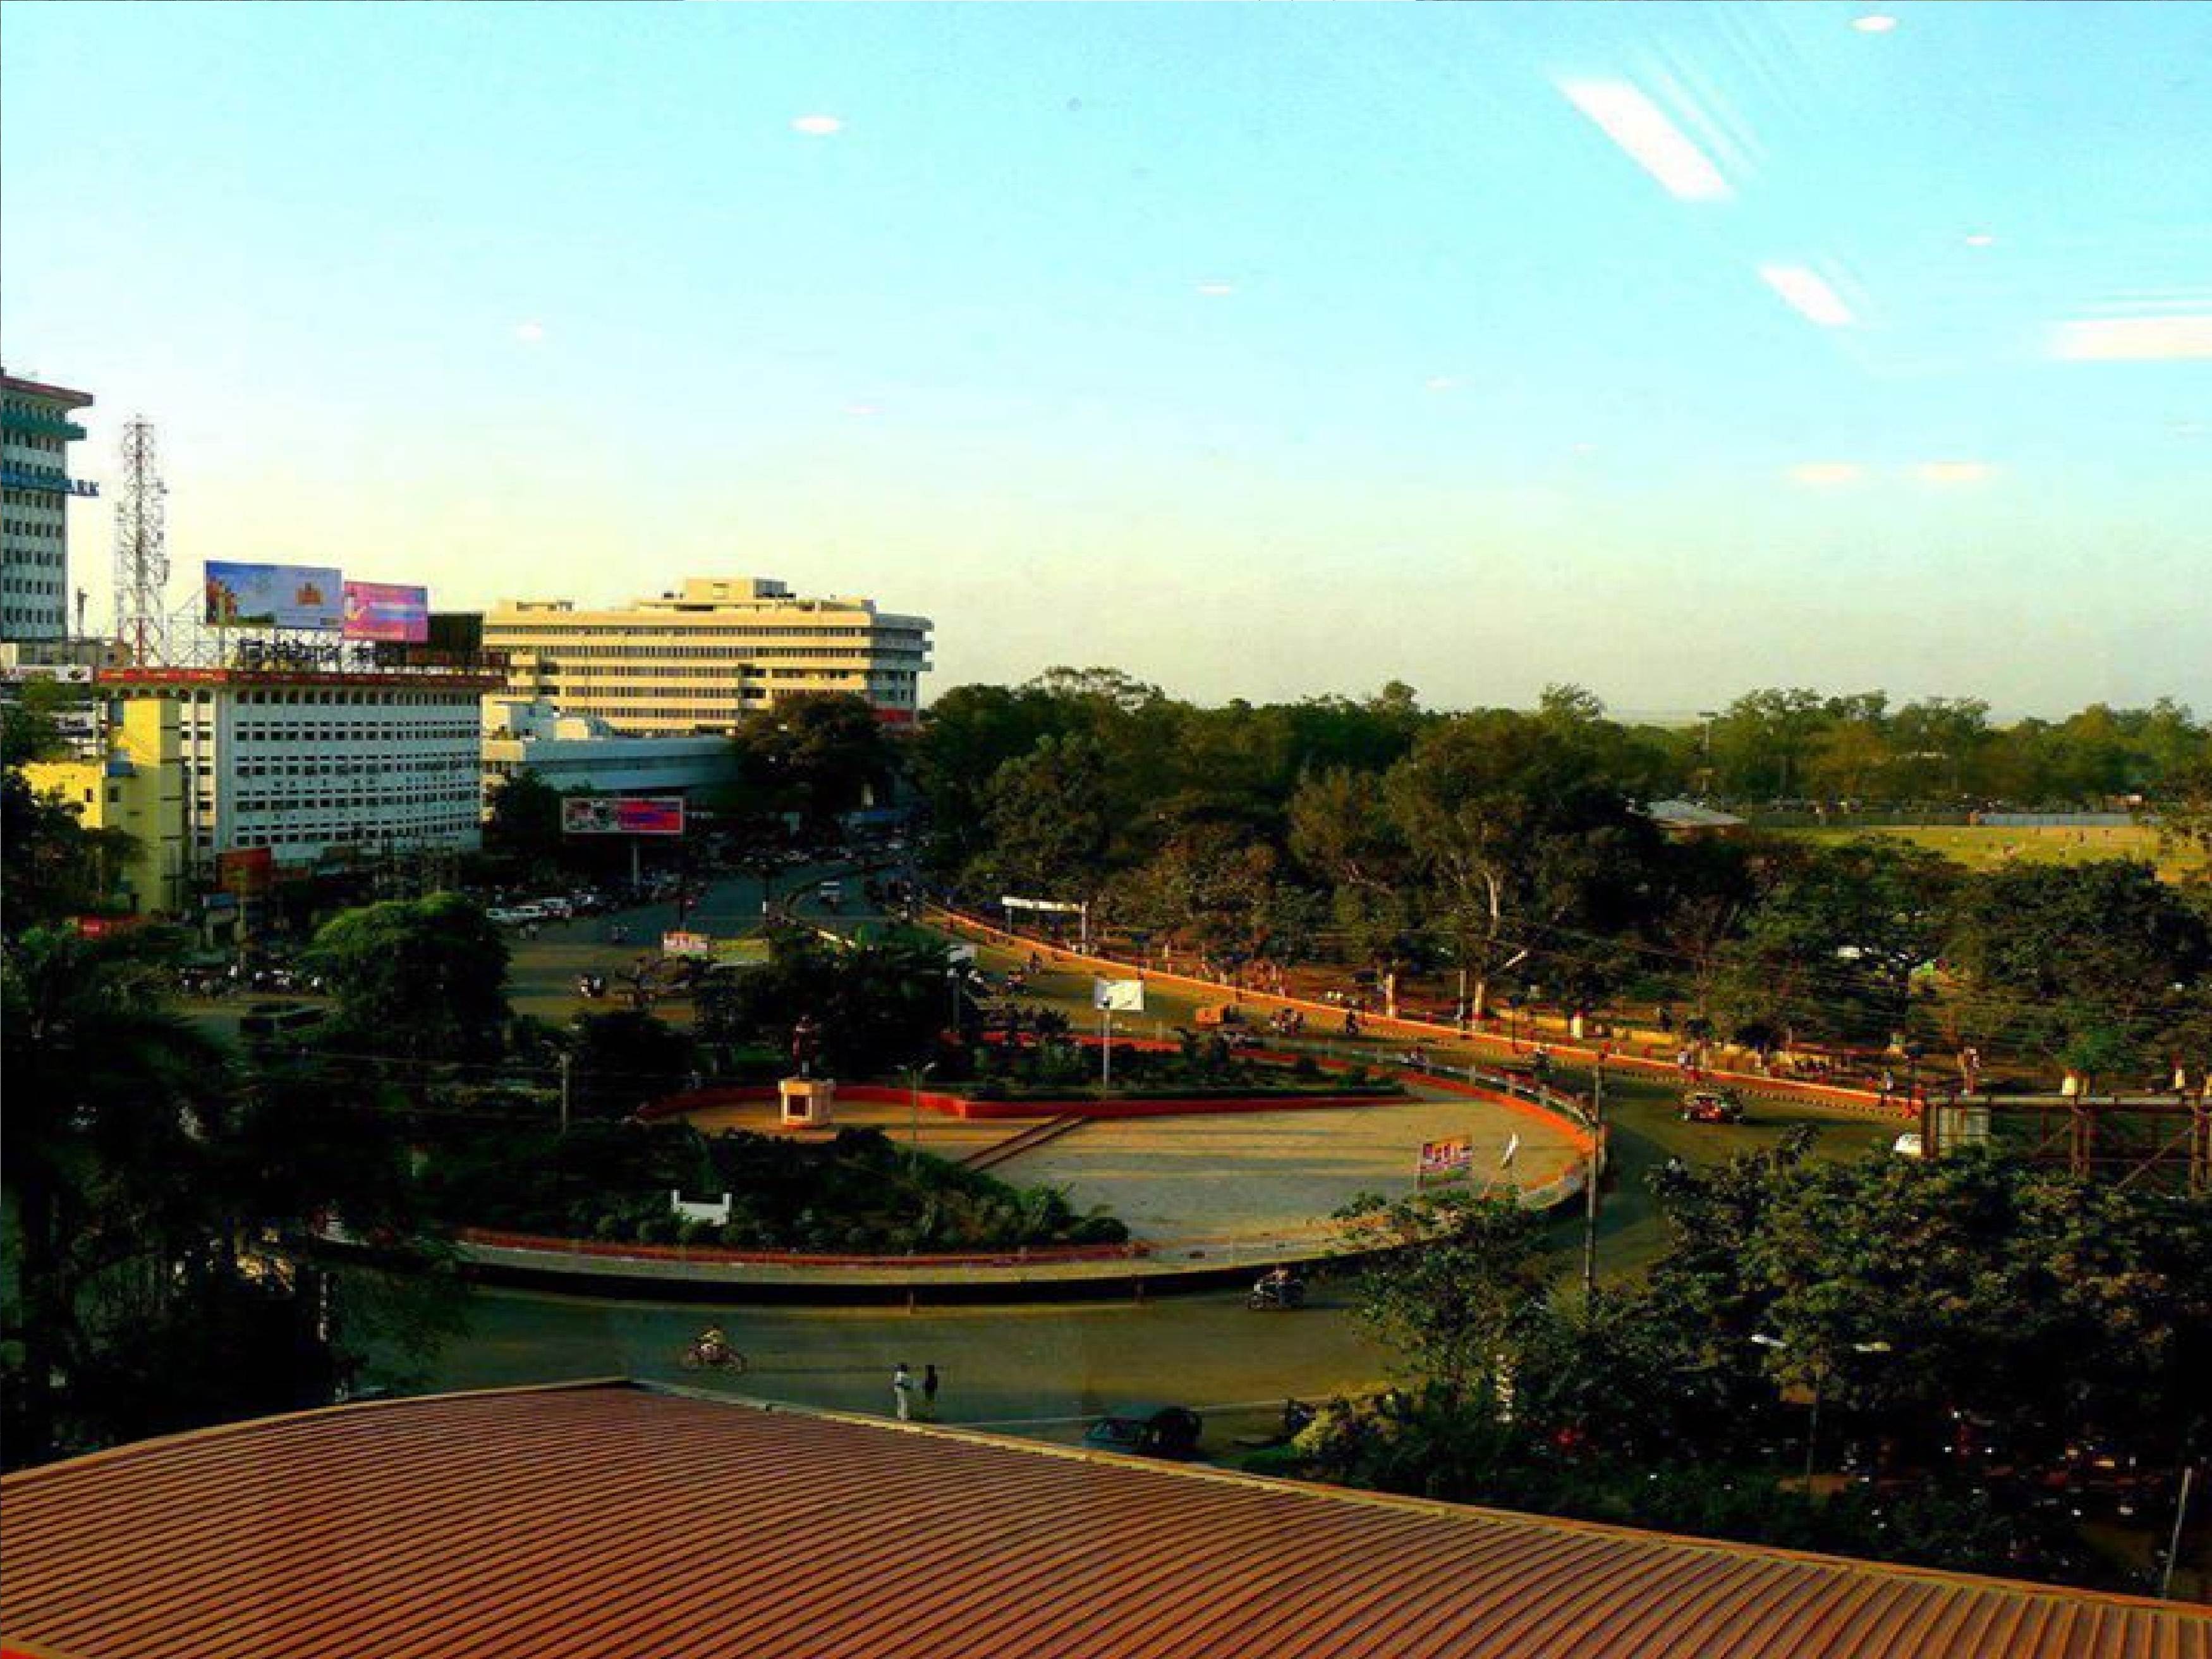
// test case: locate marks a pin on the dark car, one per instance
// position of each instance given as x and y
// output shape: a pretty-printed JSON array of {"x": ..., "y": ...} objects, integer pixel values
[
  {"x": 1712, "y": 1106},
  {"x": 1147, "y": 1431}
]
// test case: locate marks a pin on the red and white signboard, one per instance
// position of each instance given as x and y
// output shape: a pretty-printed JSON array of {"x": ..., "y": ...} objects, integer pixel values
[{"x": 1451, "y": 1156}]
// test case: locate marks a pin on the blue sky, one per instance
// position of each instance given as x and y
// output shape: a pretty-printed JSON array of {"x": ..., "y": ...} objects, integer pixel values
[{"x": 1258, "y": 349}]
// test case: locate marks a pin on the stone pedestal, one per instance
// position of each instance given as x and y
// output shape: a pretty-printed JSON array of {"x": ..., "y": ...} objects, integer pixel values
[{"x": 809, "y": 1102}]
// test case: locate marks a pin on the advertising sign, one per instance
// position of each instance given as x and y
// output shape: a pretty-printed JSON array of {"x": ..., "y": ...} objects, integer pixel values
[
  {"x": 1121, "y": 996},
  {"x": 379, "y": 610},
  {"x": 1443, "y": 1157},
  {"x": 613, "y": 815},
  {"x": 674, "y": 943},
  {"x": 245, "y": 869},
  {"x": 275, "y": 596}
]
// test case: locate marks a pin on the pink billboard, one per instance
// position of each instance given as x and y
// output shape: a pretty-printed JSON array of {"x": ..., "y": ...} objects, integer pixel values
[{"x": 379, "y": 610}]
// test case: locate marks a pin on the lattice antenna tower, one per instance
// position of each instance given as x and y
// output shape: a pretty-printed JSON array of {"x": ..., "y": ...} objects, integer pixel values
[{"x": 141, "y": 551}]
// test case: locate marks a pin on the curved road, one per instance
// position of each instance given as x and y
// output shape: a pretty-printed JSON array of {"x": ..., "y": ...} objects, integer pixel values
[{"x": 1038, "y": 1370}]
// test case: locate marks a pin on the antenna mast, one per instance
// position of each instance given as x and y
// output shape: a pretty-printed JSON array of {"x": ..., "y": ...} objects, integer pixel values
[{"x": 141, "y": 551}]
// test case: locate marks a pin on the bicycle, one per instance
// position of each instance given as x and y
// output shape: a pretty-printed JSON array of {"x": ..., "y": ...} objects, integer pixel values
[{"x": 702, "y": 1356}]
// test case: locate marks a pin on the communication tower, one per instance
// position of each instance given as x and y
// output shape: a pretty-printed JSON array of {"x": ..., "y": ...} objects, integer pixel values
[{"x": 141, "y": 551}]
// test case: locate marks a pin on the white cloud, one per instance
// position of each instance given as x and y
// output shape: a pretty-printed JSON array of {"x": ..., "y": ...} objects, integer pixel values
[
  {"x": 1827, "y": 472},
  {"x": 1649, "y": 138},
  {"x": 531, "y": 333},
  {"x": 1952, "y": 472},
  {"x": 1215, "y": 290},
  {"x": 820, "y": 126},
  {"x": 1808, "y": 294},
  {"x": 2137, "y": 339}
]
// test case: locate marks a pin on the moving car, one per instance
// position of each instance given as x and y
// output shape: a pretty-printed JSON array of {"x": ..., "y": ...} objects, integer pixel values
[
  {"x": 1712, "y": 1106},
  {"x": 1147, "y": 1431}
]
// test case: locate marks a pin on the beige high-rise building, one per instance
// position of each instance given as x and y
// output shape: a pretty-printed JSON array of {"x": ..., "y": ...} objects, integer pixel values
[{"x": 702, "y": 658}]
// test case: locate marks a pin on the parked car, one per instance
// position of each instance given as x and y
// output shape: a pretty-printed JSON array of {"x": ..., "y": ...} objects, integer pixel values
[
  {"x": 1712, "y": 1106},
  {"x": 555, "y": 909},
  {"x": 1147, "y": 1431},
  {"x": 510, "y": 915},
  {"x": 1909, "y": 1145}
]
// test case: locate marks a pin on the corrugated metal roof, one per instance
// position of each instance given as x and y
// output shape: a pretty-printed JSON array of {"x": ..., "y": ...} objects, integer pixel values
[{"x": 613, "y": 1521}]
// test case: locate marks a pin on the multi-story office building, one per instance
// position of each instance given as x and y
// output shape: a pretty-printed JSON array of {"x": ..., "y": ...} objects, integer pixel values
[
  {"x": 310, "y": 764},
  {"x": 35, "y": 433},
  {"x": 577, "y": 754},
  {"x": 704, "y": 657}
]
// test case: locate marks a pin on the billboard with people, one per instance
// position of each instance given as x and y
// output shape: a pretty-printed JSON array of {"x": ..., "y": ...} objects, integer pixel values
[
  {"x": 301, "y": 596},
  {"x": 615, "y": 815},
  {"x": 383, "y": 611}
]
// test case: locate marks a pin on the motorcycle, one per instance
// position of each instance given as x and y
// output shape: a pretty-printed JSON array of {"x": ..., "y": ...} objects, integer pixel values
[{"x": 1287, "y": 1293}]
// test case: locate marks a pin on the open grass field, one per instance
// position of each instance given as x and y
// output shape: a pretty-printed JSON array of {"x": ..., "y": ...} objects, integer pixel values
[{"x": 1991, "y": 847}]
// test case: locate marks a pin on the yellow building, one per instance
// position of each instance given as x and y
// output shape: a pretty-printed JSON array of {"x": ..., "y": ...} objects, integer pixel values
[
  {"x": 137, "y": 788},
  {"x": 704, "y": 657}
]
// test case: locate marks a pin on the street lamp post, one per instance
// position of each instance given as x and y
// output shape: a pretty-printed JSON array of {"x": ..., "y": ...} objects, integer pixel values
[
  {"x": 915, "y": 1075},
  {"x": 1821, "y": 1374},
  {"x": 1589, "y": 1185}
]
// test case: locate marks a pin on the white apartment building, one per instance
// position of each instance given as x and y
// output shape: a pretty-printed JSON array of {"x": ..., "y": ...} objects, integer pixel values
[
  {"x": 579, "y": 753},
  {"x": 35, "y": 433},
  {"x": 702, "y": 658},
  {"x": 308, "y": 763}
]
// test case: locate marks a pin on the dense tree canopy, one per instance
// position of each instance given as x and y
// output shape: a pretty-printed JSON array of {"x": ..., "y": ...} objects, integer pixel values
[
  {"x": 1511, "y": 853},
  {"x": 158, "y": 1193},
  {"x": 1964, "y": 1322}
]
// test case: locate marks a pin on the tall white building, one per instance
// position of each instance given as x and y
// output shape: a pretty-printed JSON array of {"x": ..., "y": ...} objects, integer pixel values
[
  {"x": 35, "y": 433},
  {"x": 295, "y": 766},
  {"x": 702, "y": 658}
]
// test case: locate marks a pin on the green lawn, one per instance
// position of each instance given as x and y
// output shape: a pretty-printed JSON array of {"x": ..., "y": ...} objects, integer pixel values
[{"x": 1991, "y": 847}]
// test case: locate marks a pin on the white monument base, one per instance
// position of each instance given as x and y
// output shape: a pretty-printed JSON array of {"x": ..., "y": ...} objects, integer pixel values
[{"x": 809, "y": 1102}]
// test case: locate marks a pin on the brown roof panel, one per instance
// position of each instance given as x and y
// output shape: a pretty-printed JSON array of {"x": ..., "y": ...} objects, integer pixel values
[{"x": 586, "y": 1521}]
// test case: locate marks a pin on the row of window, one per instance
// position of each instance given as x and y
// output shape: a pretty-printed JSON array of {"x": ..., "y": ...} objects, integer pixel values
[
  {"x": 387, "y": 803},
  {"x": 325, "y": 694},
  {"x": 341, "y": 835},
  {"x": 378, "y": 766},
  {"x": 288, "y": 731},
  {"x": 498, "y": 632}
]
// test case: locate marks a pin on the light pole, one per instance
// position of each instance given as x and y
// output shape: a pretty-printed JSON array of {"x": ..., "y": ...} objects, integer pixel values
[
  {"x": 915, "y": 1075},
  {"x": 1589, "y": 1186},
  {"x": 1821, "y": 1373}
]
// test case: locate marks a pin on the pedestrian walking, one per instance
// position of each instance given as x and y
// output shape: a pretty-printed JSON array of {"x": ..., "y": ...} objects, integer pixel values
[
  {"x": 929, "y": 1392},
  {"x": 902, "y": 1391}
]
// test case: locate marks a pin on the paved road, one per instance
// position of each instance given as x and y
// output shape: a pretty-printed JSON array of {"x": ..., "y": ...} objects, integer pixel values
[{"x": 1040, "y": 1370}]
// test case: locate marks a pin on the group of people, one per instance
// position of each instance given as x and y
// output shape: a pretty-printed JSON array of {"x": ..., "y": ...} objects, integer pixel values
[{"x": 905, "y": 1385}]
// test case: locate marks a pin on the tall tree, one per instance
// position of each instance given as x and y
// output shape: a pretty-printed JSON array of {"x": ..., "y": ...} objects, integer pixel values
[
  {"x": 421, "y": 981},
  {"x": 819, "y": 756}
]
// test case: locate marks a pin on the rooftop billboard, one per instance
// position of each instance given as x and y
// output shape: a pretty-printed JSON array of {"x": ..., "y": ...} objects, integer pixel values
[
  {"x": 275, "y": 596},
  {"x": 379, "y": 610}
]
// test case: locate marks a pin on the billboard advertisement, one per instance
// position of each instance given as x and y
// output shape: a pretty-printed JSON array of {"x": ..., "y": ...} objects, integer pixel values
[
  {"x": 613, "y": 815},
  {"x": 275, "y": 596},
  {"x": 379, "y": 610}
]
